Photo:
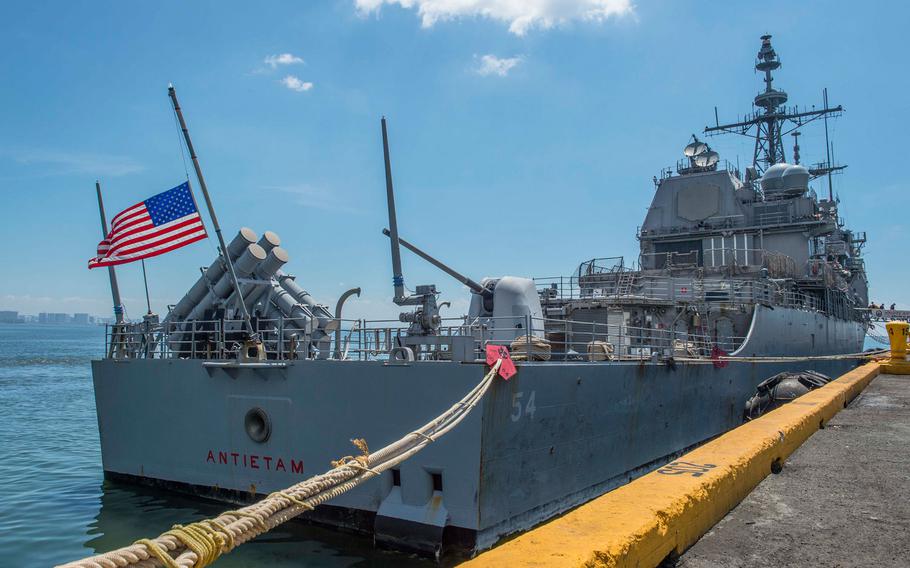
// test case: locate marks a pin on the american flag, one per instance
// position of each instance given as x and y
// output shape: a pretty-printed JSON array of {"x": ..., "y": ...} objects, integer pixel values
[{"x": 160, "y": 224}]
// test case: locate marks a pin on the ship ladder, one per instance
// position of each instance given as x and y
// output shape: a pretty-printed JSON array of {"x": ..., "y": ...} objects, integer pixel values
[{"x": 624, "y": 284}]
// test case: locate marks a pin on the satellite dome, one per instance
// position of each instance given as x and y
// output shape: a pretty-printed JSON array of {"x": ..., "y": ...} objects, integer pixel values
[
  {"x": 695, "y": 148},
  {"x": 707, "y": 159}
]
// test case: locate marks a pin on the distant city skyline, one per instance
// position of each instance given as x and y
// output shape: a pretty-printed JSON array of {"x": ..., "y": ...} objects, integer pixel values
[
  {"x": 524, "y": 137},
  {"x": 55, "y": 318}
]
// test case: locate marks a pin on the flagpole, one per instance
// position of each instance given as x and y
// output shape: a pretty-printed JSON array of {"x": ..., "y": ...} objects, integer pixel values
[
  {"x": 145, "y": 279},
  {"x": 208, "y": 202},
  {"x": 115, "y": 288}
]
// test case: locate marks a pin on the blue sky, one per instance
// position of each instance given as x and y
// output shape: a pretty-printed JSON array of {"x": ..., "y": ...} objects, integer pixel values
[{"x": 524, "y": 134}]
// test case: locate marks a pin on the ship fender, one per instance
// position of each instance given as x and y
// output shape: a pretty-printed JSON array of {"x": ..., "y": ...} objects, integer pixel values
[{"x": 780, "y": 389}]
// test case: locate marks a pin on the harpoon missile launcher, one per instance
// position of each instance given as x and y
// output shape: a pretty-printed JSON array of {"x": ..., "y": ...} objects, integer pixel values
[{"x": 270, "y": 295}]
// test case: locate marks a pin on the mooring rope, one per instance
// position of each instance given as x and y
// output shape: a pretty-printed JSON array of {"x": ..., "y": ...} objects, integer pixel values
[
  {"x": 199, "y": 544},
  {"x": 786, "y": 358}
]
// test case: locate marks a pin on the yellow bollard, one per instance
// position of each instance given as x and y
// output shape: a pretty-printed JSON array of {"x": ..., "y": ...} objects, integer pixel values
[{"x": 898, "y": 335}]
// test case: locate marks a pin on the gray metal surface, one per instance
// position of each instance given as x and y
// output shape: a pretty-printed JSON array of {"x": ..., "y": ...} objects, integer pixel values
[{"x": 551, "y": 437}]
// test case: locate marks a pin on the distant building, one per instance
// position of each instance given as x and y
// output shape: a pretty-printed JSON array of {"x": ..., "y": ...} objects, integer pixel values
[
  {"x": 54, "y": 318},
  {"x": 82, "y": 319},
  {"x": 9, "y": 317}
]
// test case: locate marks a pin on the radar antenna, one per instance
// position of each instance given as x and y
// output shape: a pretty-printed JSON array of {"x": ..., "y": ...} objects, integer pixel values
[
  {"x": 772, "y": 119},
  {"x": 701, "y": 157}
]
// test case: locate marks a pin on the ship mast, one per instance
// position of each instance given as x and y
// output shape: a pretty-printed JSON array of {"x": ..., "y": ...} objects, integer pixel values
[{"x": 772, "y": 120}]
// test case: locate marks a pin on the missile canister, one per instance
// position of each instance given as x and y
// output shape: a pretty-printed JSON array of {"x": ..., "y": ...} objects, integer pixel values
[
  {"x": 243, "y": 267},
  {"x": 264, "y": 271},
  {"x": 326, "y": 321},
  {"x": 213, "y": 274},
  {"x": 296, "y": 314},
  {"x": 269, "y": 241}
]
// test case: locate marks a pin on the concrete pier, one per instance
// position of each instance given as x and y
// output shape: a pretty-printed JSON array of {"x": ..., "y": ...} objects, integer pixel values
[
  {"x": 842, "y": 499},
  {"x": 655, "y": 519}
]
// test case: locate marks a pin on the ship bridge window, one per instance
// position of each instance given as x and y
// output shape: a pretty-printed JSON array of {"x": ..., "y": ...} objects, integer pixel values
[
  {"x": 680, "y": 253},
  {"x": 736, "y": 249}
]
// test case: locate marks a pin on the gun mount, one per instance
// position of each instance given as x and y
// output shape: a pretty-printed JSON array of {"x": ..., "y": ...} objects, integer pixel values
[
  {"x": 425, "y": 318},
  {"x": 517, "y": 295},
  {"x": 484, "y": 291}
]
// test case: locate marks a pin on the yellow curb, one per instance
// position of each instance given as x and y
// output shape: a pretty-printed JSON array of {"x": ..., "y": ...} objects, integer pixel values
[{"x": 668, "y": 510}]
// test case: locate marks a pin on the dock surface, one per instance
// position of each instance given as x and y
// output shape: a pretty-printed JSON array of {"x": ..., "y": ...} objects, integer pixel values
[
  {"x": 842, "y": 499},
  {"x": 659, "y": 517}
]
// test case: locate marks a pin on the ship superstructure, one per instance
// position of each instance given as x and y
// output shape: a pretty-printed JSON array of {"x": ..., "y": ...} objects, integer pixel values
[
  {"x": 620, "y": 368},
  {"x": 717, "y": 243}
]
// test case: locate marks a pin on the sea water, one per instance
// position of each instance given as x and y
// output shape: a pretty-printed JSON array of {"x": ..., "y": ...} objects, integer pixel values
[{"x": 55, "y": 505}]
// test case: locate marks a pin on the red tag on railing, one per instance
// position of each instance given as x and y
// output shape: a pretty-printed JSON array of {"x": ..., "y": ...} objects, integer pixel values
[
  {"x": 716, "y": 354},
  {"x": 496, "y": 352}
]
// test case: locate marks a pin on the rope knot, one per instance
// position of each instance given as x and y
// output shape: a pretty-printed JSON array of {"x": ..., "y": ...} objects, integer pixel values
[
  {"x": 206, "y": 542},
  {"x": 361, "y": 462}
]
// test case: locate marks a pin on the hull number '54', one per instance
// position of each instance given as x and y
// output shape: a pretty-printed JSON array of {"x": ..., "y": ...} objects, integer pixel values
[{"x": 519, "y": 410}]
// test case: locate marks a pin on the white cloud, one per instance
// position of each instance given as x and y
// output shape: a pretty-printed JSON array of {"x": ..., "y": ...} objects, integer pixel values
[
  {"x": 492, "y": 65},
  {"x": 63, "y": 163},
  {"x": 520, "y": 15},
  {"x": 314, "y": 197},
  {"x": 274, "y": 61},
  {"x": 295, "y": 84}
]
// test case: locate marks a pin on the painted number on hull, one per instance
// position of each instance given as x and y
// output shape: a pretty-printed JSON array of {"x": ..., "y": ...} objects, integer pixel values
[
  {"x": 529, "y": 408},
  {"x": 686, "y": 468}
]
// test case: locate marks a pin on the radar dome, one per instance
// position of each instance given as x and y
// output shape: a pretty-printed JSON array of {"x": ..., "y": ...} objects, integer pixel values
[
  {"x": 771, "y": 180},
  {"x": 795, "y": 180}
]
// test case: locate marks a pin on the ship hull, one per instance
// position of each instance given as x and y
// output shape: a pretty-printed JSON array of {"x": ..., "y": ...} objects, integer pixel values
[{"x": 555, "y": 435}]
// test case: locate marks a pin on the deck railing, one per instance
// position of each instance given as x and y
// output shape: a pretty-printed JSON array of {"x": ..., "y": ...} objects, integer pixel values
[
  {"x": 660, "y": 289},
  {"x": 374, "y": 340}
]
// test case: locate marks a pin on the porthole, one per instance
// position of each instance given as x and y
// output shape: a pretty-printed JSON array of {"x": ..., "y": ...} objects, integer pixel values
[{"x": 257, "y": 424}]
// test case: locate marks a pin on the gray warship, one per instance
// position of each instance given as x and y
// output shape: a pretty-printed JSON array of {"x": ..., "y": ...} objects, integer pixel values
[{"x": 621, "y": 366}]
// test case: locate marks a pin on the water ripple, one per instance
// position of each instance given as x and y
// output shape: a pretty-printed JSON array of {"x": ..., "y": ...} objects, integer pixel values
[{"x": 54, "y": 503}]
